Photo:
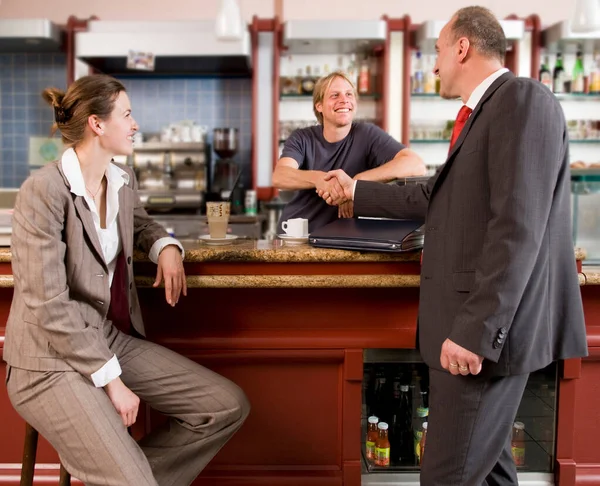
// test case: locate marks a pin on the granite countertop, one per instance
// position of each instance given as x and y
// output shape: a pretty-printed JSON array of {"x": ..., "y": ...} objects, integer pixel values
[{"x": 277, "y": 251}]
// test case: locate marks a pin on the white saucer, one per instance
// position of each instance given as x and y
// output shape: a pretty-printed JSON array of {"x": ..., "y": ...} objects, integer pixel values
[
  {"x": 228, "y": 240},
  {"x": 293, "y": 240}
]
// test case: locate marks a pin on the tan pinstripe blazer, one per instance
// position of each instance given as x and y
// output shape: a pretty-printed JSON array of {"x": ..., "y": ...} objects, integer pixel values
[{"x": 61, "y": 294}]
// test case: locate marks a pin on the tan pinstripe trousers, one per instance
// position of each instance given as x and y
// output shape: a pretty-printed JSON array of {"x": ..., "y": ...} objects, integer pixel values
[{"x": 80, "y": 422}]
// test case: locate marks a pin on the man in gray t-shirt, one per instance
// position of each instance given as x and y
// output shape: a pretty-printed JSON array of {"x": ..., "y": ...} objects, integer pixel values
[{"x": 362, "y": 150}]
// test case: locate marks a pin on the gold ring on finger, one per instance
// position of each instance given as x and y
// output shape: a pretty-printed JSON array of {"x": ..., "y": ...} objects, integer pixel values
[{"x": 463, "y": 368}]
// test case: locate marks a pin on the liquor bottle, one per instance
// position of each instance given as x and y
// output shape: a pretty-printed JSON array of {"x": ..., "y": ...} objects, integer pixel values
[
  {"x": 558, "y": 75},
  {"x": 595, "y": 75},
  {"x": 418, "y": 86},
  {"x": 577, "y": 80},
  {"x": 308, "y": 82},
  {"x": 545, "y": 75}
]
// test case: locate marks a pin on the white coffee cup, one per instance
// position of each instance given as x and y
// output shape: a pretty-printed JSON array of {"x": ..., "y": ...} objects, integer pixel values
[{"x": 297, "y": 227}]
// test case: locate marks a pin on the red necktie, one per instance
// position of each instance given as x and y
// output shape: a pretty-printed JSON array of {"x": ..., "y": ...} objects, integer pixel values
[
  {"x": 118, "y": 312},
  {"x": 461, "y": 119}
]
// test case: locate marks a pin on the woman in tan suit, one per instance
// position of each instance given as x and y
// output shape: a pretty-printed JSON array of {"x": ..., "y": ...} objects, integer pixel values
[{"x": 72, "y": 374}]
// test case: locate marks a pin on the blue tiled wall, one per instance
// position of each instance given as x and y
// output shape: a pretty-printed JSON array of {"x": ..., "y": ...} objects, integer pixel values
[
  {"x": 23, "y": 111},
  {"x": 214, "y": 102},
  {"x": 156, "y": 102}
]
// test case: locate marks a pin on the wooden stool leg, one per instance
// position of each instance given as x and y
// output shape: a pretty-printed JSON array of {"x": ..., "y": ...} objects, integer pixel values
[
  {"x": 65, "y": 477},
  {"x": 29, "y": 452}
]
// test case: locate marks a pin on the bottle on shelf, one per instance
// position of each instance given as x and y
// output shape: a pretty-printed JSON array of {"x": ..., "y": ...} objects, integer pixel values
[
  {"x": 595, "y": 75},
  {"x": 577, "y": 80},
  {"x": 558, "y": 76},
  {"x": 429, "y": 78},
  {"x": 420, "y": 416},
  {"x": 422, "y": 443},
  {"x": 308, "y": 82},
  {"x": 401, "y": 439},
  {"x": 382, "y": 446},
  {"x": 418, "y": 76},
  {"x": 372, "y": 434},
  {"x": 298, "y": 81},
  {"x": 545, "y": 77},
  {"x": 364, "y": 77},
  {"x": 517, "y": 444},
  {"x": 317, "y": 74},
  {"x": 287, "y": 79},
  {"x": 352, "y": 70}
]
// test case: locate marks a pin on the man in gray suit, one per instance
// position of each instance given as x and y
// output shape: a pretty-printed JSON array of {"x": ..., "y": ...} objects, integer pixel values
[{"x": 499, "y": 296}]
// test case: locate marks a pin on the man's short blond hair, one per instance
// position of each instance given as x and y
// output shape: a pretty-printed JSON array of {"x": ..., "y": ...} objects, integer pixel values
[{"x": 323, "y": 85}]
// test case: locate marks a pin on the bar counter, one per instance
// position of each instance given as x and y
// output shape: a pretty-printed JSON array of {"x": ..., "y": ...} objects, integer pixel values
[{"x": 290, "y": 324}]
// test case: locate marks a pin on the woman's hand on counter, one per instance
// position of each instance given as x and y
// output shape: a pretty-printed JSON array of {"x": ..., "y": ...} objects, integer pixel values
[{"x": 170, "y": 269}]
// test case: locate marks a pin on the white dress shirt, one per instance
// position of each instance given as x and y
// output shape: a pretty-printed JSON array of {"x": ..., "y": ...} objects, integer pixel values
[
  {"x": 475, "y": 98},
  {"x": 109, "y": 237}
]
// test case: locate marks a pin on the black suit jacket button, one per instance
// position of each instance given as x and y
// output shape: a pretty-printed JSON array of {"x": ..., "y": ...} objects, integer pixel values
[
  {"x": 128, "y": 260},
  {"x": 496, "y": 344}
]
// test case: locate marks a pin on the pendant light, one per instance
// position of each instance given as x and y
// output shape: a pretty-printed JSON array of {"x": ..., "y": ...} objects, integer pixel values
[
  {"x": 587, "y": 16},
  {"x": 229, "y": 21}
]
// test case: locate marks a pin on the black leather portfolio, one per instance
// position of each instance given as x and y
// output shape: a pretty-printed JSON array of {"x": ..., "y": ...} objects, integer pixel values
[{"x": 386, "y": 235}]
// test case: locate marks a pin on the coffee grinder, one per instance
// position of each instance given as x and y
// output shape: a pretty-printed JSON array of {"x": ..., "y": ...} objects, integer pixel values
[{"x": 225, "y": 145}]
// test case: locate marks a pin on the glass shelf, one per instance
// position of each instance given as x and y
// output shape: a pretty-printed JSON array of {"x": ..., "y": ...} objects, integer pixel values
[
  {"x": 300, "y": 97},
  {"x": 424, "y": 140},
  {"x": 577, "y": 96},
  {"x": 427, "y": 96},
  {"x": 585, "y": 140}
]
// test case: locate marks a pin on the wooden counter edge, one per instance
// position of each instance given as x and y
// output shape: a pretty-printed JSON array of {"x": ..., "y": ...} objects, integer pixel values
[{"x": 301, "y": 281}]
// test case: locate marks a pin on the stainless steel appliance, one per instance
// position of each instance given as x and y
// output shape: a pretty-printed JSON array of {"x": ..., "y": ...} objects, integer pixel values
[{"x": 172, "y": 176}]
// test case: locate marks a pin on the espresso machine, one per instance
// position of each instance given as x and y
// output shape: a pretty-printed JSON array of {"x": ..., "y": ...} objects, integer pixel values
[
  {"x": 172, "y": 176},
  {"x": 225, "y": 145}
]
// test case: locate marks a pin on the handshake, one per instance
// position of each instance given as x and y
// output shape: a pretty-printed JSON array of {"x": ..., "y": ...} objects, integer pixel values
[{"x": 335, "y": 187}]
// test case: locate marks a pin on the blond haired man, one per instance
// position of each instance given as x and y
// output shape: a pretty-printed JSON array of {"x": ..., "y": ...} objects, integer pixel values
[{"x": 362, "y": 150}]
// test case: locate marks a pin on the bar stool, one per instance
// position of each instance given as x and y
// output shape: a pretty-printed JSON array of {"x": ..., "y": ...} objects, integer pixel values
[{"x": 29, "y": 453}]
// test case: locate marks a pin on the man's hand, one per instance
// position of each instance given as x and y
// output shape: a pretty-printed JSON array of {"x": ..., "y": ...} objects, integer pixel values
[
  {"x": 126, "y": 402},
  {"x": 346, "y": 210},
  {"x": 345, "y": 182},
  {"x": 458, "y": 360},
  {"x": 170, "y": 268},
  {"x": 331, "y": 186}
]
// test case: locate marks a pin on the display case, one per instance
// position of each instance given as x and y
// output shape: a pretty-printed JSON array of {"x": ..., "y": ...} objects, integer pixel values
[
  {"x": 585, "y": 204},
  {"x": 396, "y": 390}
]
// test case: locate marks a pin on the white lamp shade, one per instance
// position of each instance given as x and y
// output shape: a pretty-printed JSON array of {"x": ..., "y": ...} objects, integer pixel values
[
  {"x": 229, "y": 21},
  {"x": 587, "y": 16}
]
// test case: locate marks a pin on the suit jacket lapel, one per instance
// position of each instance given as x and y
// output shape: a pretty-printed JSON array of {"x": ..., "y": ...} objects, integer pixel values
[
  {"x": 125, "y": 219},
  {"x": 465, "y": 131},
  {"x": 90, "y": 228}
]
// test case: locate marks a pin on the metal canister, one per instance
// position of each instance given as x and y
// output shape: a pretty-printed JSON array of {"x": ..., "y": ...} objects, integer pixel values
[{"x": 250, "y": 204}]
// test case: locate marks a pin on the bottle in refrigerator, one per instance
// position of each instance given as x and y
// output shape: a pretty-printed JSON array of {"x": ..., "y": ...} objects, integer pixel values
[
  {"x": 595, "y": 75},
  {"x": 517, "y": 444},
  {"x": 545, "y": 76},
  {"x": 577, "y": 80},
  {"x": 401, "y": 439},
  {"x": 422, "y": 443},
  {"x": 419, "y": 418},
  {"x": 558, "y": 76},
  {"x": 372, "y": 434},
  {"x": 382, "y": 446},
  {"x": 418, "y": 86}
]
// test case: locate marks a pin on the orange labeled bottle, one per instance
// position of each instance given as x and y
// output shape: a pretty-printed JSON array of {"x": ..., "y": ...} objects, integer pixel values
[
  {"x": 518, "y": 443},
  {"x": 422, "y": 443},
  {"x": 382, "y": 446},
  {"x": 372, "y": 435}
]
